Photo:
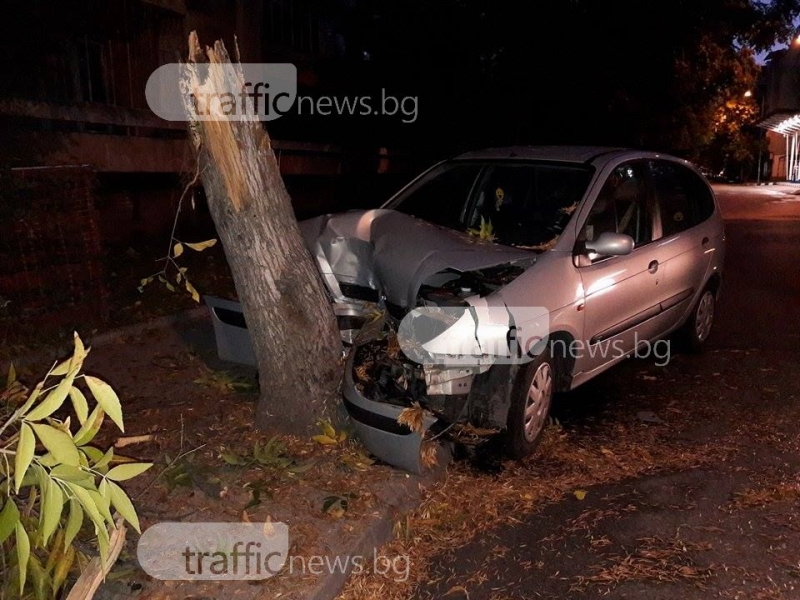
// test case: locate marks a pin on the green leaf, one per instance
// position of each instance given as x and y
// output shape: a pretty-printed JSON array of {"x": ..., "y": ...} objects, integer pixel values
[
  {"x": 52, "y": 401},
  {"x": 92, "y": 454},
  {"x": 200, "y": 246},
  {"x": 89, "y": 505},
  {"x": 67, "y": 473},
  {"x": 105, "y": 460},
  {"x": 9, "y": 517},
  {"x": 79, "y": 404},
  {"x": 123, "y": 505},
  {"x": 12, "y": 376},
  {"x": 47, "y": 460},
  {"x": 32, "y": 477},
  {"x": 58, "y": 443},
  {"x": 232, "y": 458},
  {"x": 79, "y": 354},
  {"x": 127, "y": 471},
  {"x": 74, "y": 522},
  {"x": 52, "y": 504},
  {"x": 62, "y": 368},
  {"x": 90, "y": 428},
  {"x": 102, "y": 543},
  {"x": 107, "y": 398},
  {"x": 23, "y": 553},
  {"x": 177, "y": 250},
  {"x": 74, "y": 363},
  {"x": 25, "y": 448},
  {"x": 103, "y": 500},
  {"x": 32, "y": 398}
]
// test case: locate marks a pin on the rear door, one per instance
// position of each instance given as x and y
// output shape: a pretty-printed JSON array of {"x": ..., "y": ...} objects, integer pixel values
[{"x": 684, "y": 235}]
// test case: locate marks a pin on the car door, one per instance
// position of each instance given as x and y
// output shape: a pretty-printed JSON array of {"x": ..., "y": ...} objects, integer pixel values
[
  {"x": 684, "y": 240},
  {"x": 621, "y": 293}
]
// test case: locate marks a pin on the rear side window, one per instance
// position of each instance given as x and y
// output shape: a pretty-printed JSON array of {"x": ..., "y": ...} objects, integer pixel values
[{"x": 682, "y": 197}]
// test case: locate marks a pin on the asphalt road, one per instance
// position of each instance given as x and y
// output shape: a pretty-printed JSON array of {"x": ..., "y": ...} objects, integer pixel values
[{"x": 729, "y": 529}]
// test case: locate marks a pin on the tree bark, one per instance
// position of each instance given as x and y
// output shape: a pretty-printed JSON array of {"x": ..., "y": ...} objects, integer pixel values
[{"x": 288, "y": 312}]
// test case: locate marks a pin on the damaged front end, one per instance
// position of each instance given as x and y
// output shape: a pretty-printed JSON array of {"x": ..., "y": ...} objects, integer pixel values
[{"x": 430, "y": 334}]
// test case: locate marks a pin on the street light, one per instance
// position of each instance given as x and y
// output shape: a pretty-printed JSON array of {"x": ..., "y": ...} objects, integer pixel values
[{"x": 749, "y": 94}]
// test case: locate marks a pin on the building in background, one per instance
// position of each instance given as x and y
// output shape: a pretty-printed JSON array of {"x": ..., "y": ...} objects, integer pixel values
[
  {"x": 74, "y": 94},
  {"x": 779, "y": 91},
  {"x": 87, "y": 170}
]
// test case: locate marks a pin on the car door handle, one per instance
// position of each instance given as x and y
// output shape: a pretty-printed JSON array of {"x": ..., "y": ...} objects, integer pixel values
[
  {"x": 653, "y": 266},
  {"x": 704, "y": 243}
]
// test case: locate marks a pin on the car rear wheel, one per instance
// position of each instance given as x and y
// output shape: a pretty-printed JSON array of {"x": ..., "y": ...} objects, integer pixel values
[
  {"x": 698, "y": 326},
  {"x": 530, "y": 405}
]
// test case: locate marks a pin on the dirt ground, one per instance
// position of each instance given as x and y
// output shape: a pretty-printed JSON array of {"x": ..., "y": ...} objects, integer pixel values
[
  {"x": 657, "y": 482},
  {"x": 200, "y": 414},
  {"x": 709, "y": 507},
  {"x": 651, "y": 482}
]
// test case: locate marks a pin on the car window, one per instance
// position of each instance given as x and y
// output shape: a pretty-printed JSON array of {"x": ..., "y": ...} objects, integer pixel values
[
  {"x": 622, "y": 206},
  {"x": 682, "y": 197},
  {"x": 441, "y": 197},
  {"x": 528, "y": 204}
]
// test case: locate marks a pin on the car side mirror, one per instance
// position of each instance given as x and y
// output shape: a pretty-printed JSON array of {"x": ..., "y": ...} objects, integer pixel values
[{"x": 610, "y": 244}]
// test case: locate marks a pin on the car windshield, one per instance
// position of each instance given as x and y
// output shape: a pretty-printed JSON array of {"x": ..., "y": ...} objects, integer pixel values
[{"x": 524, "y": 204}]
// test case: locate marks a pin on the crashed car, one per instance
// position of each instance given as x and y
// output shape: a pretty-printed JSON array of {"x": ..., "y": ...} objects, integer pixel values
[{"x": 500, "y": 277}]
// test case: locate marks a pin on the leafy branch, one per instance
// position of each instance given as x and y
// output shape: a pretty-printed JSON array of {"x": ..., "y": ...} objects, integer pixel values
[
  {"x": 173, "y": 271},
  {"x": 47, "y": 469}
]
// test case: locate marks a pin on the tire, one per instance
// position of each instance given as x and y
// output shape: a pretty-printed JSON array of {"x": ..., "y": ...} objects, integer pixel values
[
  {"x": 532, "y": 393},
  {"x": 697, "y": 328}
]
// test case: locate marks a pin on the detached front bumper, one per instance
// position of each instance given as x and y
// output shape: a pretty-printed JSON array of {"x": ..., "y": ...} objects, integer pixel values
[{"x": 377, "y": 426}]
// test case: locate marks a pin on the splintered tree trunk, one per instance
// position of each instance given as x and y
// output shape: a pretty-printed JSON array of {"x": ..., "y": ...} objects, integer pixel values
[{"x": 289, "y": 317}]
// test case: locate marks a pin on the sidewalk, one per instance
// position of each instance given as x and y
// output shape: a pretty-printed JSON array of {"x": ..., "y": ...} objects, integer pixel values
[{"x": 173, "y": 387}]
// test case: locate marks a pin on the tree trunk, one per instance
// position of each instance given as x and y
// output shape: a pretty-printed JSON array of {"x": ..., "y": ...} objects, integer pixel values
[{"x": 289, "y": 316}]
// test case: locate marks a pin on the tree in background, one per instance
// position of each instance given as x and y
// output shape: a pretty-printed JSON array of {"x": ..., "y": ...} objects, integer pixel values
[{"x": 613, "y": 72}]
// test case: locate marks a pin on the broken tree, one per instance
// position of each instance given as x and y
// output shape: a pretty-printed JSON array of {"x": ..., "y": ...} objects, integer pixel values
[{"x": 289, "y": 316}]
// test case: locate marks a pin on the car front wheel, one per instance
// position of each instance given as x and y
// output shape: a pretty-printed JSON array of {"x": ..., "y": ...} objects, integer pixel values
[{"x": 530, "y": 405}]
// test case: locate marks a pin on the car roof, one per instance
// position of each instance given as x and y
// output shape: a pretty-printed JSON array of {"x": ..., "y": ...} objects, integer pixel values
[{"x": 571, "y": 154}]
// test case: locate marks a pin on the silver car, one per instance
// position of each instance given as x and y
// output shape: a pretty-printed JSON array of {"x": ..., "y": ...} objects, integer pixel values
[{"x": 500, "y": 277}]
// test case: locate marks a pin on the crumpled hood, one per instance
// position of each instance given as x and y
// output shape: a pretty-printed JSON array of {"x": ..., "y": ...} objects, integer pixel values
[{"x": 405, "y": 251}]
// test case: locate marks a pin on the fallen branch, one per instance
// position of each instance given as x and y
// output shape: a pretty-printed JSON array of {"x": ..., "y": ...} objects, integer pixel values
[
  {"x": 95, "y": 573},
  {"x": 134, "y": 439}
]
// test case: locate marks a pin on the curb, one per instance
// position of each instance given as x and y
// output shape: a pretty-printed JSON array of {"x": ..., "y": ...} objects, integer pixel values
[{"x": 400, "y": 498}]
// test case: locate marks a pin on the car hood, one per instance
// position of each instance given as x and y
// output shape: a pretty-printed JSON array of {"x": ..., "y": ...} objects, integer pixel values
[{"x": 398, "y": 252}]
